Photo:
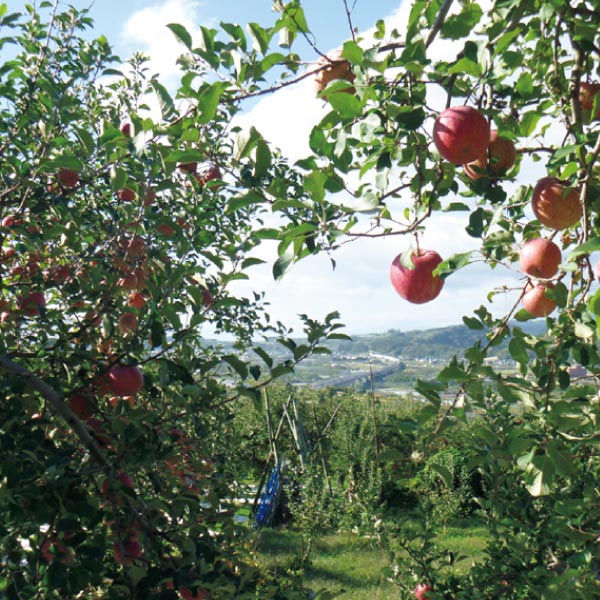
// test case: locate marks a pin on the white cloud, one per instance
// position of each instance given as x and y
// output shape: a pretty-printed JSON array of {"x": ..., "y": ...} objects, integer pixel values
[{"x": 146, "y": 31}]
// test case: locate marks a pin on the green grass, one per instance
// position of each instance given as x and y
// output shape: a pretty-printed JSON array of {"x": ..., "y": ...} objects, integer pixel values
[
  {"x": 340, "y": 562},
  {"x": 467, "y": 540},
  {"x": 354, "y": 565}
]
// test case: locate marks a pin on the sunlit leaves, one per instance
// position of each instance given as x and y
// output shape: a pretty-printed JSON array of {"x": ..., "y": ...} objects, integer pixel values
[
  {"x": 182, "y": 34},
  {"x": 165, "y": 101}
]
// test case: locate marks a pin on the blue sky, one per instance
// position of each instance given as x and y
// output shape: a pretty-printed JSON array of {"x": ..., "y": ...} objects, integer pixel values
[{"x": 359, "y": 287}]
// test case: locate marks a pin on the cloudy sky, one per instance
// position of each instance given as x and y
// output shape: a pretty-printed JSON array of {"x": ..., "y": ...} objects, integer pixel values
[{"x": 359, "y": 287}]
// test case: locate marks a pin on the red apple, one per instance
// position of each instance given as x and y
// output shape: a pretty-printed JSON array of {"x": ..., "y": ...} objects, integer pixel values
[
  {"x": 535, "y": 301},
  {"x": 10, "y": 221},
  {"x": 125, "y": 128},
  {"x": 125, "y": 380},
  {"x": 129, "y": 281},
  {"x": 500, "y": 156},
  {"x": 98, "y": 431},
  {"x": 461, "y": 134},
  {"x": 53, "y": 549},
  {"x": 333, "y": 67},
  {"x": 190, "y": 167},
  {"x": 554, "y": 204},
  {"x": 207, "y": 298},
  {"x": 33, "y": 304},
  {"x": 128, "y": 322},
  {"x": 211, "y": 173},
  {"x": 82, "y": 406},
  {"x": 149, "y": 196},
  {"x": 124, "y": 480},
  {"x": 68, "y": 178},
  {"x": 135, "y": 247},
  {"x": 417, "y": 284},
  {"x": 587, "y": 93},
  {"x": 421, "y": 591},
  {"x": 187, "y": 594},
  {"x": 126, "y": 195},
  {"x": 126, "y": 551},
  {"x": 165, "y": 229},
  {"x": 136, "y": 300},
  {"x": 540, "y": 257},
  {"x": 8, "y": 254}
]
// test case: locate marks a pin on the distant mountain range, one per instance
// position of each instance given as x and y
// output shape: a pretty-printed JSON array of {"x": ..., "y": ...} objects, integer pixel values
[{"x": 441, "y": 342}]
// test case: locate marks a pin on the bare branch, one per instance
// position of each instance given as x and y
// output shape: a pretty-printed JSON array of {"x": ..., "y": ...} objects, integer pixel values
[
  {"x": 349, "y": 17},
  {"x": 439, "y": 22},
  {"x": 60, "y": 406}
]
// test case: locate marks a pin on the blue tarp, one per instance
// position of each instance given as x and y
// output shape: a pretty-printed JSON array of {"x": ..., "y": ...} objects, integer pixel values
[{"x": 267, "y": 502}]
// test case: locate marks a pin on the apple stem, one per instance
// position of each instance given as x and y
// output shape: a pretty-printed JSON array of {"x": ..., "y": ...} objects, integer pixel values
[{"x": 417, "y": 244}]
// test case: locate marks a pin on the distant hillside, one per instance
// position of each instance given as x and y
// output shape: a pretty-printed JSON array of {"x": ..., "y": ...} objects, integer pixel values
[{"x": 442, "y": 342}]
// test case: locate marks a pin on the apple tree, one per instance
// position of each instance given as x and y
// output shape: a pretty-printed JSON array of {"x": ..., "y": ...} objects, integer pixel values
[
  {"x": 122, "y": 229},
  {"x": 489, "y": 110}
]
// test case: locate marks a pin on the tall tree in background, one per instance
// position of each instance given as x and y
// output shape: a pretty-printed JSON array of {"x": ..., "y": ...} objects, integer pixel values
[{"x": 121, "y": 233}]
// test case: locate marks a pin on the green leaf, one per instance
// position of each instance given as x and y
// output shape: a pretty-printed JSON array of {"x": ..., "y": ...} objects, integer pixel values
[
  {"x": 524, "y": 85},
  {"x": 476, "y": 223},
  {"x": 466, "y": 65},
  {"x": 208, "y": 102},
  {"x": 118, "y": 178},
  {"x": 239, "y": 366},
  {"x": 167, "y": 106},
  {"x": 430, "y": 390},
  {"x": 260, "y": 37},
  {"x": 560, "y": 458},
  {"x": 236, "y": 33},
  {"x": 264, "y": 355},
  {"x": 314, "y": 184},
  {"x": 182, "y": 34},
  {"x": 86, "y": 139},
  {"x": 444, "y": 473},
  {"x": 283, "y": 264},
  {"x": 353, "y": 52},
  {"x": 66, "y": 162},
  {"x": 452, "y": 373},
  {"x": 592, "y": 245},
  {"x": 560, "y": 294},
  {"x": 339, "y": 336},
  {"x": 462, "y": 24},
  {"x": 452, "y": 264},
  {"x": 262, "y": 158},
  {"x": 184, "y": 156},
  {"x": 540, "y": 486},
  {"x": 244, "y": 142},
  {"x": 472, "y": 323},
  {"x": 410, "y": 117},
  {"x": 529, "y": 122},
  {"x": 518, "y": 350},
  {"x": 348, "y": 106},
  {"x": 282, "y": 369},
  {"x": 391, "y": 456},
  {"x": 157, "y": 333}
]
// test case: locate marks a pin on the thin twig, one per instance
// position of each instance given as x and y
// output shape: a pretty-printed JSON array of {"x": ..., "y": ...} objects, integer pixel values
[{"x": 349, "y": 17}]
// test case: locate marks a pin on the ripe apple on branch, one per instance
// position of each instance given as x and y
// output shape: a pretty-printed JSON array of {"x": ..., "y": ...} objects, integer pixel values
[
  {"x": 461, "y": 134},
  {"x": 412, "y": 275}
]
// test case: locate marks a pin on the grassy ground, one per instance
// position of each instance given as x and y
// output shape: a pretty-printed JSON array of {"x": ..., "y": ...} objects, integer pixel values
[
  {"x": 354, "y": 565},
  {"x": 337, "y": 562}
]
